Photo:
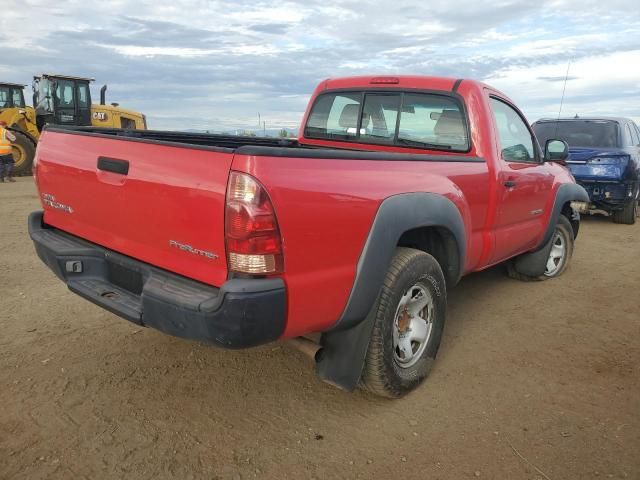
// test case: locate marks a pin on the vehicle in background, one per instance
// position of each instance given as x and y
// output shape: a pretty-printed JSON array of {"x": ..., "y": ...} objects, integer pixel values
[
  {"x": 395, "y": 189},
  {"x": 604, "y": 158},
  {"x": 57, "y": 100}
]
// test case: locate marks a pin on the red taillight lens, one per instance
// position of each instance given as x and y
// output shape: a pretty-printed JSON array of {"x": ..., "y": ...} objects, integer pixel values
[{"x": 251, "y": 228}]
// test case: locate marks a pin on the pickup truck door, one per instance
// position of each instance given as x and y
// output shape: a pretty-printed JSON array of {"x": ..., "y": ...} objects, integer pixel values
[{"x": 524, "y": 183}]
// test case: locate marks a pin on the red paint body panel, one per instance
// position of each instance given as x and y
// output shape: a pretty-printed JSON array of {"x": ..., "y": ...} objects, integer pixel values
[
  {"x": 325, "y": 210},
  {"x": 169, "y": 194},
  {"x": 325, "y": 207}
]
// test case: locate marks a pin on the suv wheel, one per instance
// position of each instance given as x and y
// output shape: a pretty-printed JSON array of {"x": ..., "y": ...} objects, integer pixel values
[
  {"x": 409, "y": 320},
  {"x": 629, "y": 213}
]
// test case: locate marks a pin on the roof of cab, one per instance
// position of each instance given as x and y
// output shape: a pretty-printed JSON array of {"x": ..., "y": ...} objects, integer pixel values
[
  {"x": 393, "y": 81},
  {"x": 66, "y": 77}
]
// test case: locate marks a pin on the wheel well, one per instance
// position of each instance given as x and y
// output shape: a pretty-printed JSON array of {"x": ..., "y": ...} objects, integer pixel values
[
  {"x": 438, "y": 242},
  {"x": 573, "y": 217}
]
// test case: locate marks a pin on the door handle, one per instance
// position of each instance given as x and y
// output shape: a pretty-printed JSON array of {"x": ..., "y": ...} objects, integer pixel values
[
  {"x": 113, "y": 165},
  {"x": 510, "y": 183}
]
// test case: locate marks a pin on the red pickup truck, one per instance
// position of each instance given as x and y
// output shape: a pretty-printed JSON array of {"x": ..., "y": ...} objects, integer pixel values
[{"x": 349, "y": 235}]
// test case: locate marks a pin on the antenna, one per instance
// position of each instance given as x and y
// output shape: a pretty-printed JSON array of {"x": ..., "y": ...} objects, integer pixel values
[{"x": 564, "y": 88}]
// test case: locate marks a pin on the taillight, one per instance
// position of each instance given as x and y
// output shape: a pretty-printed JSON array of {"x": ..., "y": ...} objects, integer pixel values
[{"x": 251, "y": 228}]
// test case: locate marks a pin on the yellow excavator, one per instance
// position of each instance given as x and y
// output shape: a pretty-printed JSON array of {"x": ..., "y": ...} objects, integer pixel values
[{"x": 57, "y": 100}]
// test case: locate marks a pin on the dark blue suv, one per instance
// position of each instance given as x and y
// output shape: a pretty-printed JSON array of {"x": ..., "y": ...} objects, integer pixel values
[{"x": 604, "y": 159}]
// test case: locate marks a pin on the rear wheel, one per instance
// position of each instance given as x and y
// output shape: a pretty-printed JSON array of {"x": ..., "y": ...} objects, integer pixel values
[
  {"x": 409, "y": 320},
  {"x": 629, "y": 213},
  {"x": 23, "y": 152}
]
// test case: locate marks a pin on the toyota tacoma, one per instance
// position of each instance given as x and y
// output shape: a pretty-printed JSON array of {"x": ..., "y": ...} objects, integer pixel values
[{"x": 344, "y": 241}]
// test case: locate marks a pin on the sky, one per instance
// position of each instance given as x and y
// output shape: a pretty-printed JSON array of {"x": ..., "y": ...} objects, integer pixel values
[{"x": 214, "y": 65}]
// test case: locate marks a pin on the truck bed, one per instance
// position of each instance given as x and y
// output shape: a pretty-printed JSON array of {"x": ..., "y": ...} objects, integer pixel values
[
  {"x": 208, "y": 140},
  {"x": 268, "y": 146}
]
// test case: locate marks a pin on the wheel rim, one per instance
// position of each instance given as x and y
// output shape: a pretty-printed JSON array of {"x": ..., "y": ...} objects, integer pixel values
[
  {"x": 19, "y": 155},
  {"x": 557, "y": 254},
  {"x": 412, "y": 325}
]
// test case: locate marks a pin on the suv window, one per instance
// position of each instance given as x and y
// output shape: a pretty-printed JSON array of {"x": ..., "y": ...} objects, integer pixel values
[
  {"x": 431, "y": 121},
  {"x": 579, "y": 133},
  {"x": 632, "y": 136},
  {"x": 637, "y": 134},
  {"x": 516, "y": 141}
]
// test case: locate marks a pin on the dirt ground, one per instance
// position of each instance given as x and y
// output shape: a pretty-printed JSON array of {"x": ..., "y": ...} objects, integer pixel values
[{"x": 533, "y": 381}]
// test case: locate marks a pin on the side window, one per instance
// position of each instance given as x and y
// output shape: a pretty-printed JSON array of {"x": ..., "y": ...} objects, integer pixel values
[
  {"x": 334, "y": 116},
  {"x": 4, "y": 97},
  {"x": 17, "y": 98},
  {"x": 635, "y": 127},
  {"x": 379, "y": 117},
  {"x": 83, "y": 96},
  {"x": 627, "y": 141},
  {"x": 516, "y": 141}
]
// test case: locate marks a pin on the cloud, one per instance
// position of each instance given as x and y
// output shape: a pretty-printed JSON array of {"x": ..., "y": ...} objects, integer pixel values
[{"x": 216, "y": 64}]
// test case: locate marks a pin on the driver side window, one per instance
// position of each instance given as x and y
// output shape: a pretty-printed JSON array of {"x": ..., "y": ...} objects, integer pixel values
[{"x": 516, "y": 141}]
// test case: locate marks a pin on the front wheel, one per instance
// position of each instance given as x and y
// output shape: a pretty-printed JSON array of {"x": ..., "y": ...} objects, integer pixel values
[
  {"x": 409, "y": 320},
  {"x": 23, "y": 152},
  {"x": 562, "y": 243}
]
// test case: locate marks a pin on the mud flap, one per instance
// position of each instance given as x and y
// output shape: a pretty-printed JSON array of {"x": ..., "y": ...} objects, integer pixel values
[
  {"x": 343, "y": 353},
  {"x": 533, "y": 264}
]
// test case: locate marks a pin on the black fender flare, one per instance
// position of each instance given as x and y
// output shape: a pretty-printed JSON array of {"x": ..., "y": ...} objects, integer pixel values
[
  {"x": 344, "y": 347},
  {"x": 567, "y": 192}
]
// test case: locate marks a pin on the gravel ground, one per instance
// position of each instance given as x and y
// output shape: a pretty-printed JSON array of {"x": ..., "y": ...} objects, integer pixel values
[{"x": 533, "y": 381}]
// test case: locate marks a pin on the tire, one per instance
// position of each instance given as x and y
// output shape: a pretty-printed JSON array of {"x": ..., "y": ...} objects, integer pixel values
[
  {"x": 563, "y": 235},
  {"x": 23, "y": 152},
  {"x": 628, "y": 214},
  {"x": 414, "y": 277}
]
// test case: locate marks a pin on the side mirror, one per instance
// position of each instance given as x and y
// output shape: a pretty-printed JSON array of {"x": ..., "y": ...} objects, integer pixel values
[{"x": 556, "y": 151}]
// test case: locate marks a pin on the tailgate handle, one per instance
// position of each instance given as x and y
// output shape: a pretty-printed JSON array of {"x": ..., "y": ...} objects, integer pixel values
[{"x": 113, "y": 165}]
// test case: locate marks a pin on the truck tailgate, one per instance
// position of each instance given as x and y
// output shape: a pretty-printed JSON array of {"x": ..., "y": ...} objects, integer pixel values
[{"x": 157, "y": 203}]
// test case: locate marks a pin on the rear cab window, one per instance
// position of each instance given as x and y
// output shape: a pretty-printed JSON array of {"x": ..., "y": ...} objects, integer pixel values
[{"x": 406, "y": 119}]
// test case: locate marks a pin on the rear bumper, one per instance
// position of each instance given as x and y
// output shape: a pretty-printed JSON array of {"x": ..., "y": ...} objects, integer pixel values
[
  {"x": 242, "y": 313},
  {"x": 607, "y": 195}
]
